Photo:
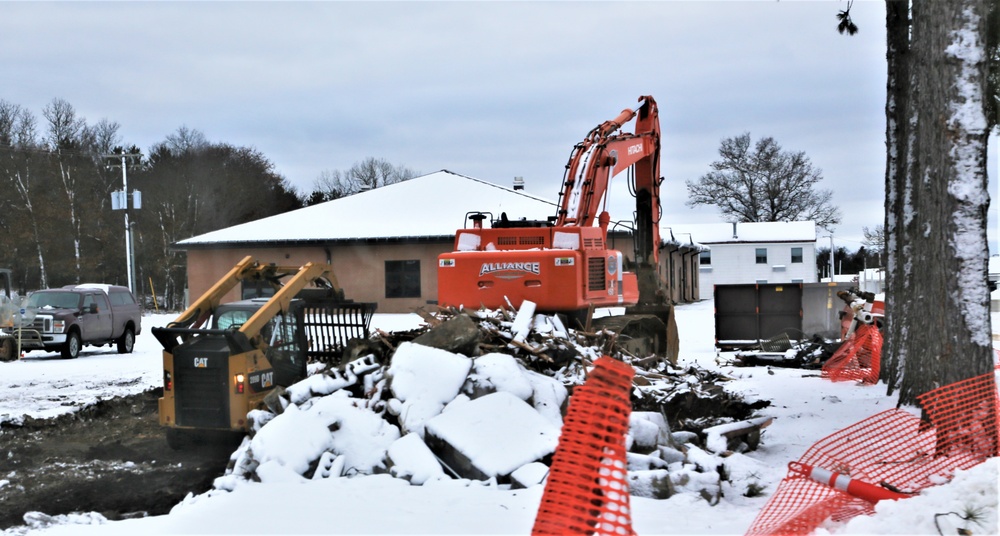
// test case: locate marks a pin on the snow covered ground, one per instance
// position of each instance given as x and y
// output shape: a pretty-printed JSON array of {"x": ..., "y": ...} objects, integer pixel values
[{"x": 805, "y": 408}]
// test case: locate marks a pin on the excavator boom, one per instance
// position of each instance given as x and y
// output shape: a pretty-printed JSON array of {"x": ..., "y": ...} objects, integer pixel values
[{"x": 602, "y": 155}]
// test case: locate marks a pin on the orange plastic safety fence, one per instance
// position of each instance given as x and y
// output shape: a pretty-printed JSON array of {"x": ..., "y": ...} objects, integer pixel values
[
  {"x": 892, "y": 449},
  {"x": 858, "y": 358},
  {"x": 587, "y": 488}
]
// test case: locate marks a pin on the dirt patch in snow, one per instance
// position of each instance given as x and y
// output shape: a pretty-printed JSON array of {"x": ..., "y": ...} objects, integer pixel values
[{"x": 110, "y": 458}]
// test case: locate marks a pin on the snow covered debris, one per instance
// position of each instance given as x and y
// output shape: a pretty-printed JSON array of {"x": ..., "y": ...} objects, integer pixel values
[
  {"x": 272, "y": 444},
  {"x": 425, "y": 412},
  {"x": 491, "y": 436},
  {"x": 411, "y": 459},
  {"x": 497, "y": 372},
  {"x": 423, "y": 380}
]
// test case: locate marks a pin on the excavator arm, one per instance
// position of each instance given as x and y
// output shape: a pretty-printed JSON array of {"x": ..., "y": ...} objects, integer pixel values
[{"x": 602, "y": 155}]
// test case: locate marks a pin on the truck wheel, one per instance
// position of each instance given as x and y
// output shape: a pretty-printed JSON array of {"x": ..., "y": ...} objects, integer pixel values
[
  {"x": 126, "y": 342},
  {"x": 7, "y": 349},
  {"x": 71, "y": 349}
]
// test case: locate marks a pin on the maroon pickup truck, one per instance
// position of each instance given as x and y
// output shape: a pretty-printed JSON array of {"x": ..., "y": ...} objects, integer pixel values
[{"x": 65, "y": 319}]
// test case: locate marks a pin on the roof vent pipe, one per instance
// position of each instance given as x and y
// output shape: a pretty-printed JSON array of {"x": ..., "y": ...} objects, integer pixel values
[
  {"x": 518, "y": 183},
  {"x": 734, "y": 231}
]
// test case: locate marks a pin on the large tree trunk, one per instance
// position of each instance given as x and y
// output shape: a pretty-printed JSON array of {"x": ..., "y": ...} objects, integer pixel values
[
  {"x": 898, "y": 227},
  {"x": 943, "y": 331}
]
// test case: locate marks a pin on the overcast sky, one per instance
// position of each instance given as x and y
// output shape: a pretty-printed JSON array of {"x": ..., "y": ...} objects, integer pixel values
[{"x": 489, "y": 90}]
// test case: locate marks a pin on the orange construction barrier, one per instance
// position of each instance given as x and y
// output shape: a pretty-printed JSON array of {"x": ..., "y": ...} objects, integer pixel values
[
  {"x": 890, "y": 455},
  {"x": 587, "y": 488},
  {"x": 858, "y": 358}
]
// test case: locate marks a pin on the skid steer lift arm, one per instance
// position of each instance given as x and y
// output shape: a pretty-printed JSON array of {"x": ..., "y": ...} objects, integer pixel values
[{"x": 193, "y": 319}]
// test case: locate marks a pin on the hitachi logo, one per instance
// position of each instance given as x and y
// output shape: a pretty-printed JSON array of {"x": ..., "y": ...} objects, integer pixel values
[
  {"x": 491, "y": 267},
  {"x": 635, "y": 149}
]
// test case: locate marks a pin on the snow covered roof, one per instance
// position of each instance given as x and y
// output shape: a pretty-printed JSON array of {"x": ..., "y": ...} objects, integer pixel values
[
  {"x": 432, "y": 205},
  {"x": 729, "y": 233}
]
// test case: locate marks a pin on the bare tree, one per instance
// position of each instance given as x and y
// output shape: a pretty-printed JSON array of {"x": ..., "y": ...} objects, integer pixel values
[
  {"x": 330, "y": 185},
  {"x": 64, "y": 137},
  {"x": 367, "y": 174},
  {"x": 373, "y": 173},
  {"x": 762, "y": 183},
  {"x": 185, "y": 139},
  {"x": 875, "y": 240},
  {"x": 104, "y": 136},
  {"x": 18, "y": 129}
]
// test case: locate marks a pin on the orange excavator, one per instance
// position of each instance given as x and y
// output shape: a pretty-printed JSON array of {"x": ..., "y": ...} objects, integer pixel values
[{"x": 564, "y": 264}]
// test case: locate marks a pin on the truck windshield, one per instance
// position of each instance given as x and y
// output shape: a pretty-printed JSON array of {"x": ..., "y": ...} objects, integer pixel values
[{"x": 57, "y": 300}]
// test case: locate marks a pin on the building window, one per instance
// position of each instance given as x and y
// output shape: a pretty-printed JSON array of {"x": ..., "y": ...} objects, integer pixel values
[
  {"x": 797, "y": 255},
  {"x": 402, "y": 279},
  {"x": 705, "y": 257},
  {"x": 761, "y": 255}
]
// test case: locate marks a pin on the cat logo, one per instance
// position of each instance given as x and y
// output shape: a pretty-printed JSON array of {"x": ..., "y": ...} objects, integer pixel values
[
  {"x": 200, "y": 362},
  {"x": 261, "y": 380}
]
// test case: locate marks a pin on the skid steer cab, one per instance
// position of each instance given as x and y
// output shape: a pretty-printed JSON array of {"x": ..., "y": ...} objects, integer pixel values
[{"x": 221, "y": 359}]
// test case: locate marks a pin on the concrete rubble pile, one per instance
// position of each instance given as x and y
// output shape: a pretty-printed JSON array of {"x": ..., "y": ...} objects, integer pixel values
[{"x": 453, "y": 399}]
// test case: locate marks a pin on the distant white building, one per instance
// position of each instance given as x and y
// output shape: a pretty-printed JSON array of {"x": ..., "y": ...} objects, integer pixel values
[{"x": 766, "y": 252}]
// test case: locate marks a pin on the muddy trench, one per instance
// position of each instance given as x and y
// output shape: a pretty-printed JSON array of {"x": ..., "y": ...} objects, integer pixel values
[{"x": 111, "y": 458}]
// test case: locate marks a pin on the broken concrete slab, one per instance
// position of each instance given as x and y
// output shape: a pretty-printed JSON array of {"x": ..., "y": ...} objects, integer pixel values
[
  {"x": 652, "y": 422},
  {"x": 529, "y": 475},
  {"x": 548, "y": 396},
  {"x": 409, "y": 458},
  {"x": 423, "y": 380},
  {"x": 458, "y": 334},
  {"x": 490, "y": 436},
  {"x": 497, "y": 372}
]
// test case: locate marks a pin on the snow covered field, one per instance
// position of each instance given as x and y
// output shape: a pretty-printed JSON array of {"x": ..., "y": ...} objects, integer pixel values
[{"x": 805, "y": 408}]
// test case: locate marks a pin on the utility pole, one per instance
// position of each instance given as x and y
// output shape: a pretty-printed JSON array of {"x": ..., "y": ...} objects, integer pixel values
[
  {"x": 830, "y": 236},
  {"x": 119, "y": 201},
  {"x": 831, "y": 256}
]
